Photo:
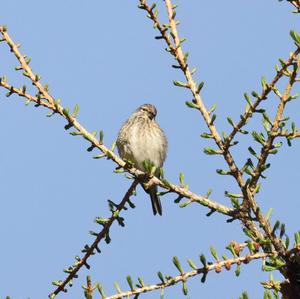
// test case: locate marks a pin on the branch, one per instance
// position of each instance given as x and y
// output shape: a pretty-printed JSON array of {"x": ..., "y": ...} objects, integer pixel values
[
  {"x": 296, "y": 3},
  {"x": 91, "y": 250},
  {"x": 263, "y": 96},
  {"x": 46, "y": 100},
  {"x": 176, "y": 50},
  {"x": 183, "y": 277},
  {"x": 265, "y": 152},
  {"x": 174, "y": 47}
]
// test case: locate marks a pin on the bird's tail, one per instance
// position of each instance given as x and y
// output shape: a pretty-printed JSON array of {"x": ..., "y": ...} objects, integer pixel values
[{"x": 155, "y": 201}]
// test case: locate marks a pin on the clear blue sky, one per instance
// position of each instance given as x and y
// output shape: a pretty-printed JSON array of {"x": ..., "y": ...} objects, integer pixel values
[{"x": 102, "y": 55}]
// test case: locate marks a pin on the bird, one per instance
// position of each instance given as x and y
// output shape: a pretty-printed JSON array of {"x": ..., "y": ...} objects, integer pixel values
[{"x": 141, "y": 139}]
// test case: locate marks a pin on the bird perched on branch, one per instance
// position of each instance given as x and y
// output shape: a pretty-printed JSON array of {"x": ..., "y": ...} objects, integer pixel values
[{"x": 142, "y": 141}]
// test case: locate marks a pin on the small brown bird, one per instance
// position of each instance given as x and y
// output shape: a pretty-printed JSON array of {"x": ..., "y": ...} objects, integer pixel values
[{"x": 141, "y": 139}]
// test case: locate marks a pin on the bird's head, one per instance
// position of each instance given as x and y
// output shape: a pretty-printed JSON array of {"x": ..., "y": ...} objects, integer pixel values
[{"x": 148, "y": 109}]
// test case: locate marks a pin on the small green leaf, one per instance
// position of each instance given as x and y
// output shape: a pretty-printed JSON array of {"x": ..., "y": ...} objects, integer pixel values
[
  {"x": 177, "y": 264},
  {"x": 181, "y": 84},
  {"x": 212, "y": 109},
  {"x": 233, "y": 195},
  {"x": 214, "y": 253},
  {"x": 117, "y": 287},
  {"x": 192, "y": 264},
  {"x": 75, "y": 110},
  {"x": 181, "y": 179},
  {"x": 238, "y": 270},
  {"x": 230, "y": 121},
  {"x": 252, "y": 152},
  {"x": 161, "y": 277},
  {"x": 295, "y": 36},
  {"x": 201, "y": 84},
  {"x": 210, "y": 151},
  {"x": 66, "y": 112},
  {"x": 184, "y": 288},
  {"x": 191, "y": 105},
  {"x": 129, "y": 281},
  {"x": 248, "y": 99},
  {"x": 207, "y": 135},
  {"x": 223, "y": 172},
  {"x": 203, "y": 260}
]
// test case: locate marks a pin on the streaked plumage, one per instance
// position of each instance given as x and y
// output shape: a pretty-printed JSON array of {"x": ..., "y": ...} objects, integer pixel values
[{"x": 140, "y": 139}]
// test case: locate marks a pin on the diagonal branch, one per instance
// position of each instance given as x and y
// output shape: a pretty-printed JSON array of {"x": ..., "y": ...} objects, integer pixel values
[
  {"x": 296, "y": 3},
  {"x": 174, "y": 42},
  {"x": 49, "y": 102},
  {"x": 91, "y": 250},
  {"x": 262, "y": 159},
  {"x": 263, "y": 96}
]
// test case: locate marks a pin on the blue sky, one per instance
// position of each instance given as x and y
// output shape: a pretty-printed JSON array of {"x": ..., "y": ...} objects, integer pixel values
[{"x": 103, "y": 56}]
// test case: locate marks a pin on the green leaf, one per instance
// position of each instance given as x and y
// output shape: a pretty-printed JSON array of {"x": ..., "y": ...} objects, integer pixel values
[
  {"x": 223, "y": 172},
  {"x": 282, "y": 230},
  {"x": 192, "y": 264},
  {"x": 248, "y": 99},
  {"x": 214, "y": 253},
  {"x": 75, "y": 110},
  {"x": 267, "y": 294},
  {"x": 297, "y": 238},
  {"x": 210, "y": 151},
  {"x": 184, "y": 288},
  {"x": 252, "y": 152},
  {"x": 181, "y": 84},
  {"x": 161, "y": 277},
  {"x": 117, "y": 287},
  {"x": 230, "y": 121},
  {"x": 276, "y": 226},
  {"x": 295, "y": 36},
  {"x": 129, "y": 281},
  {"x": 238, "y": 270},
  {"x": 181, "y": 179},
  {"x": 141, "y": 282},
  {"x": 66, "y": 112},
  {"x": 258, "y": 137},
  {"x": 233, "y": 195},
  {"x": 203, "y": 260},
  {"x": 191, "y": 105},
  {"x": 213, "y": 118},
  {"x": 212, "y": 109},
  {"x": 177, "y": 264},
  {"x": 255, "y": 94},
  {"x": 264, "y": 83},
  {"x": 206, "y": 135},
  {"x": 201, "y": 84}
]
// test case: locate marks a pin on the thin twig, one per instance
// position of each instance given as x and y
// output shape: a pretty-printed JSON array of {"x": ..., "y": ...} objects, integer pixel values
[{"x": 100, "y": 236}]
